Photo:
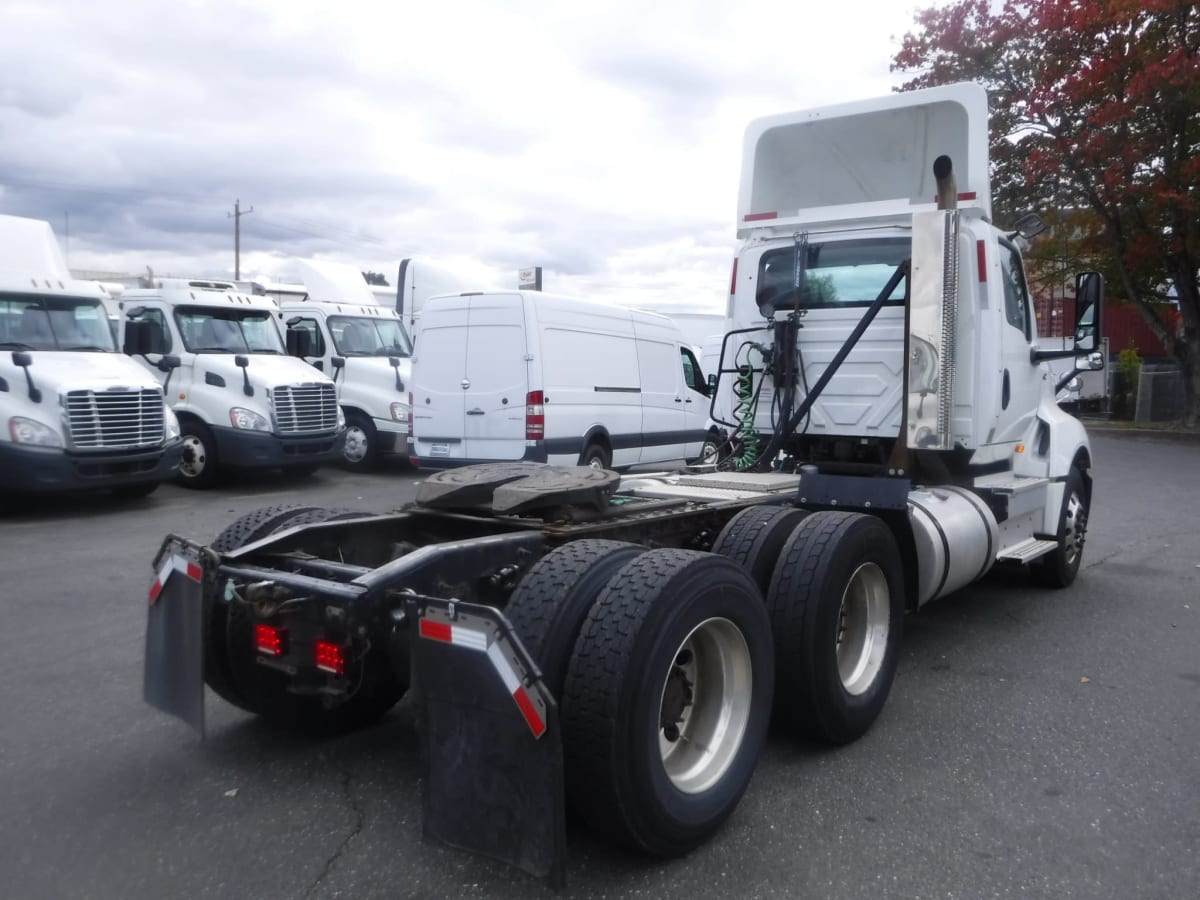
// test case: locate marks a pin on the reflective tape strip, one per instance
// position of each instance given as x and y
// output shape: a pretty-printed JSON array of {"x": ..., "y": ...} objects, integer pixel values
[
  {"x": 174, "y": 563},
  {"x": 471, "y": 639}
]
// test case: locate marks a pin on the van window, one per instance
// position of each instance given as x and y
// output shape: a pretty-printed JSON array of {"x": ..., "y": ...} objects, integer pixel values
[
  {"x": 836, "y": 274},
  {"x": 692, "y": 376}
]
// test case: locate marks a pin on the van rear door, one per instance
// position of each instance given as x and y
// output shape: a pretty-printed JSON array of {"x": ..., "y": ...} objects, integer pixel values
[
  {"x": 439, "y": 368},
  {"x": 497, "y": 378}
]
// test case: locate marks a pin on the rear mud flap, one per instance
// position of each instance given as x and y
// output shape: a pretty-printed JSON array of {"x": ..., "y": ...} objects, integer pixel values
[
  {"x": 173, "y": 678},
  {"x": 490, "y": 739}
]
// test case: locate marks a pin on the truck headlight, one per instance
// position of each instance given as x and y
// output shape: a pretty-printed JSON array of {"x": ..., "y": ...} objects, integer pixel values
[
  {"x": 248, "y": 419},
  {"x": 171, "y": 423},
  {"x": 341, "y": 418},
  {"x": 33, "y": 432},
  {"x": 400, "y": 412}
]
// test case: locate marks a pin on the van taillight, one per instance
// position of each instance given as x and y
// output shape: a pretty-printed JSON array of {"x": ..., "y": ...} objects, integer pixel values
[
  {"x": 535, "y": 416},
  {"x": 733, "y": 278}
]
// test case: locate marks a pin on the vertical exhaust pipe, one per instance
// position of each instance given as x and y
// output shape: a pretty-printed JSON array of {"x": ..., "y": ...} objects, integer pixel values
[{"x": 947, "y": 189}]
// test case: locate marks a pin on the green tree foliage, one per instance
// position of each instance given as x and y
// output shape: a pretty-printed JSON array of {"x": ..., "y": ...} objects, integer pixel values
[
  {"x": 376, "y": 278},
  {"x": 1095, "y": 109}
]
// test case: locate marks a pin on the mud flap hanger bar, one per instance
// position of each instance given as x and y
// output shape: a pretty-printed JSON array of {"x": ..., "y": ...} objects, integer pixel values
[{"x": 490, "y": 739}]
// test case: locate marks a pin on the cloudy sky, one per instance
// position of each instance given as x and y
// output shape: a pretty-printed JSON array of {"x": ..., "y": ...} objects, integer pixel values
[{"x": 601, "y": 141}]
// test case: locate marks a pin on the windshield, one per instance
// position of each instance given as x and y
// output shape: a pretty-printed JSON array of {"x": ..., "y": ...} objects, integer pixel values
[
  {"x": 841, "y": 273},
  {"x": 363, "y": 336},
  {"x": 207, "y": 329},
  {"x": 32, "y": 322}
]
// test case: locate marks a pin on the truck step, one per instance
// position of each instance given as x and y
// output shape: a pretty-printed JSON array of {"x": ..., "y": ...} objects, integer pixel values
[
  {"x": 1009, "y": 484},
  {"x": 1027, "y": 550}
]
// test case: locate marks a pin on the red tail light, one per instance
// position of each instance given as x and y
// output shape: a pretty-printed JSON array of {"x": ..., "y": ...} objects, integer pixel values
[
  {"x": 330, "y": 657},
  {"x": 270, "y": 640},
  {"x": 535, "y": 416}
]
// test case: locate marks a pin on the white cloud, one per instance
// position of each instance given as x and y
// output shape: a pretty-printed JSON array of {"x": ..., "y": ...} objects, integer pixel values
[{"x": 600, "y": 141}]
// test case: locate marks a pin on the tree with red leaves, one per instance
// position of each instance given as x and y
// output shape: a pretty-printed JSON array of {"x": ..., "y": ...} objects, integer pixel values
[{"x": 1095, "y": 106}]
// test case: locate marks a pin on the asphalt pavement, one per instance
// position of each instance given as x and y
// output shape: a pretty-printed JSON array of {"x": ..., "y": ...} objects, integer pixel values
[{"x": 1036, "y": 743}]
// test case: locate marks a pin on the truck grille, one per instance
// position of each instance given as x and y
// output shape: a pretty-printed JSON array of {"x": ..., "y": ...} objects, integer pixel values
[
  {"x": 305, "y": 408},
  {"x": 115, "y": 419}
]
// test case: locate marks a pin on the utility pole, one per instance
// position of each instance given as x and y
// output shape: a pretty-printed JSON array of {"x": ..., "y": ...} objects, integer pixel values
[{"x": 236, "y": 215}]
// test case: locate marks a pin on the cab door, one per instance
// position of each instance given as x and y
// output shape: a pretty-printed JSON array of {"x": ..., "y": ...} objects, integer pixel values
[{"x": 1020, "y": 378}]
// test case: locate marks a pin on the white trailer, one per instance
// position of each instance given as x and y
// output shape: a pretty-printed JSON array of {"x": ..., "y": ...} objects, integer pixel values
[{"x": 76, "y": 414}]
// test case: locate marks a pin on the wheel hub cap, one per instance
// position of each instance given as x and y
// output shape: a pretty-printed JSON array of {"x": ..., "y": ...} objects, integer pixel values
[{"x": 862, "y": 628}]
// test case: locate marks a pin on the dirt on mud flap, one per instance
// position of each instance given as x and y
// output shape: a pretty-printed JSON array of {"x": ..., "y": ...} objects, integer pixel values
[
  {"x": 490, "y": 737},
  {"x": 173, "y": 677}
]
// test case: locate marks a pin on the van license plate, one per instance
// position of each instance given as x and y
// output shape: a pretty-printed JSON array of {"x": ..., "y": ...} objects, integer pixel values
[{"x": 439, "y": 449}]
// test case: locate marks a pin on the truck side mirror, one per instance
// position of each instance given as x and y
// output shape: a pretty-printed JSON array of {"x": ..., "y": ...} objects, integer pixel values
[
  {"x": 137, "y": 338},
  {"x": 338, "y": 361},
  {"x": 167, "y": 363},
  {"x": 299, "y": 342},
  {"x": 1089, "y": 300}
]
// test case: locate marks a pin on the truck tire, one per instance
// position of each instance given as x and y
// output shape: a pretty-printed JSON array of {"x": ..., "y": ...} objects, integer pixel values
[
  {"x": 1058, "y": 568},
  {"x": 667, "y": 700},
  {"x": 754, "y": 537},
  {"x": 241, "y": 531},
  {"x": 549, "y": 605},
  {"x": 837, "y": 610},
  {"x": 361, "y": 451},
  {"x": 200, "y": 467},
  {"x": 596, "y": 456}
]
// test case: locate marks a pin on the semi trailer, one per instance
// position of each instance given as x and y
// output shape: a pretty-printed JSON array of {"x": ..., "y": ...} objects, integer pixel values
[{"x": 618, "y": 643}]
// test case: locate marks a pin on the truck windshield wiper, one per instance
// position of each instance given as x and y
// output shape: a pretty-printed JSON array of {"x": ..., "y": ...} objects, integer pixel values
[
  {"x": 89, "y": 347},
  {"x": 16, "y": 345}
]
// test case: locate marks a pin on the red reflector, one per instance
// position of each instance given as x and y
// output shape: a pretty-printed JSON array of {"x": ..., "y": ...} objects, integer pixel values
[
  {"x": 981, "y": 260},
  {"x": 529, "y": 711},
  {"x": 969, "y": 195},
  {"x": 535, "y": 416},
  {"x": 330, "y": 657},
  {"x": 759, "y": 217},
  {"x": 733, "y": 278},
  {"x": 438, "y": 631},
  {"x": 269, "y": 639}
]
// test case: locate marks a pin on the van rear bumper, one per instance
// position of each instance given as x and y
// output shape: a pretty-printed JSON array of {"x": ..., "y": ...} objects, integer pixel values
[
  {"x": 29, "y": 470},
  {"x": 536, "y": 453},
  {"x": 253, "y": 449}
]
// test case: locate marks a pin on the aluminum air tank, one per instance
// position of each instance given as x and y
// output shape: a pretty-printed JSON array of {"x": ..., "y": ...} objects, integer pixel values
[{"x": 956, "y": 537}]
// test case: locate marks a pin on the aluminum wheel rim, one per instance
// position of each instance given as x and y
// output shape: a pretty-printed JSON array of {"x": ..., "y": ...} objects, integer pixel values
[
  {"x": 713, "y": 663},
  {"x": 596, "y": 463},
  {"x": 708, "y": 454},
  {"x": 194, "y": 456},
  {"x": 356, "y": 444},
  {"x": 862, "y": 628},
  {"x": 1074, "y": 528}
]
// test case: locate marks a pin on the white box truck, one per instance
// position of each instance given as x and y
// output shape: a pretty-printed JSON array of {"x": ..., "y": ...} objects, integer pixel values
[
  {"x": 242, "y": 402},
  {"x": 75, "y": 413},
  {"x": 364, "y": 347},
  {"x": 538, "y": 377}
]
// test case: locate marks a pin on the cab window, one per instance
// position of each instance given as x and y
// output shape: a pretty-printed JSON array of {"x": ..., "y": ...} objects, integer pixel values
[{"x": 1016, "y": 297}]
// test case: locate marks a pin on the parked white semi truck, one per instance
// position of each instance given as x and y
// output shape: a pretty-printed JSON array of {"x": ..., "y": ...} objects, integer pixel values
[
  {"x": 76, "y": 414},
  {"x": 242, "y": 402},
  {"x": 620, "y": 643},
  {"x": 366, "y": 350}
]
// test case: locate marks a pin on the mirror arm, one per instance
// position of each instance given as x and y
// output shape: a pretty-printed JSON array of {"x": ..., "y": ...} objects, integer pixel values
[{"x": 1036, "y": 356}]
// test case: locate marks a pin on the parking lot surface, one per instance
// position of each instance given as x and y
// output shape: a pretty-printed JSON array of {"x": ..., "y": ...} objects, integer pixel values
[{"x": 1036, "y": 743}]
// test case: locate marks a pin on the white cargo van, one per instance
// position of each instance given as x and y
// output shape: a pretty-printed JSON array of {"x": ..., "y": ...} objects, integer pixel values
[
  {"x": 537, "y": 377},
  {"x": 74, "y": 413},
  {"x": 366, "y": 351},
  {"x": 242, "y": 401}
]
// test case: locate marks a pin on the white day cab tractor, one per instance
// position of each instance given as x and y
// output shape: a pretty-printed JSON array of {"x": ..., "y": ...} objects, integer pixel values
[
  {"x": 76, "y": 414},
  {"x": 364, "y": 347},
  {"x": 242, "y": 402},
  {"x": 619, "y": 643}
]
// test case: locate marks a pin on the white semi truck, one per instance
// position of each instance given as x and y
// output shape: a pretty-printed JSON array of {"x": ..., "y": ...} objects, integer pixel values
[
  {"x": 620, "y": 643},
  {"x": 242, "y": 401},
  {"x": 366, "y": 350},
  {"x": 76, "y": 414}
]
